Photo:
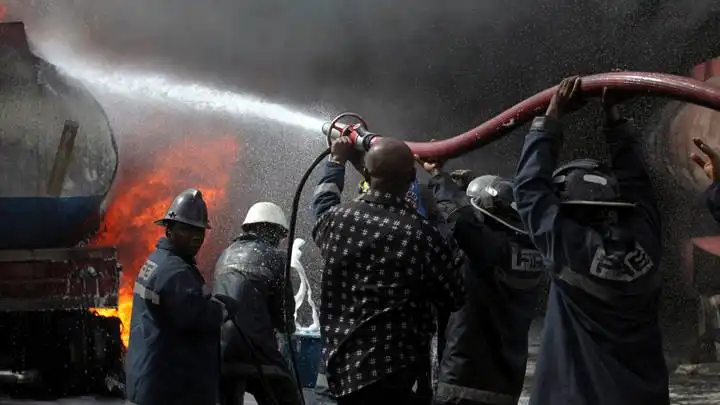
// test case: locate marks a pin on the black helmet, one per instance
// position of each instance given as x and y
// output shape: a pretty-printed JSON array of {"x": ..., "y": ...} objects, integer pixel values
[
  {"x": 187, "y": 208},
  {"x": 493, "y": 196},
  {"x": 588, "y": 182}
]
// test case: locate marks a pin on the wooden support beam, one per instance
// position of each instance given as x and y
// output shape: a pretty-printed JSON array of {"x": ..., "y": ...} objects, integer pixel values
[{"x": 63, "y": 156}]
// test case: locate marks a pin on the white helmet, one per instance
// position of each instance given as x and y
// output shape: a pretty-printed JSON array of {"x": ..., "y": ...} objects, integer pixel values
[{"x": 266, "y": 212}]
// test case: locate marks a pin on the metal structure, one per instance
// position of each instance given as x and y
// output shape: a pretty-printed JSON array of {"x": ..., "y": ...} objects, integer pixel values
[{"x": 53, "y": 133}]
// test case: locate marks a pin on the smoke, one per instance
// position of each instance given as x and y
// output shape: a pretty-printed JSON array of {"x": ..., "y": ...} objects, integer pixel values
[{"x": 430, "y": 70}]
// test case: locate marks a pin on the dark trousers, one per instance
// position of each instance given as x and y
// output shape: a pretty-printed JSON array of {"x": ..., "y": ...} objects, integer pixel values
[
  {"x": 394, "y": 389},
  {"x": 283, "y": 390}
]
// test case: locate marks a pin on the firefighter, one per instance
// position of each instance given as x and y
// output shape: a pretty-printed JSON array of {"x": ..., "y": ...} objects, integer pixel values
[
  {"x": 172, "y": 356},
  {"x": 252, "y": 271},
  {"x": 487, "y": 340},
  {"x": 598, "y": 229}
]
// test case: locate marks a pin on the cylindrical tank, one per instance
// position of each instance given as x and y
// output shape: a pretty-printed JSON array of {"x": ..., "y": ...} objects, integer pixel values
[{"x": 53, "y": 185}]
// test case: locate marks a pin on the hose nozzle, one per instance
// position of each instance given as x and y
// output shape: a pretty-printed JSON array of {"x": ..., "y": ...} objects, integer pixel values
[
  {"x": 326, "y": 128},
  {"x": 357, "y": 132}
]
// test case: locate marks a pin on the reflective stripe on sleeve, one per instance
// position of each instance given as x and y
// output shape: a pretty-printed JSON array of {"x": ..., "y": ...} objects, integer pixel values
[
  {"x": 327, "y": 188},
  {"x": 146, "y": 294}
]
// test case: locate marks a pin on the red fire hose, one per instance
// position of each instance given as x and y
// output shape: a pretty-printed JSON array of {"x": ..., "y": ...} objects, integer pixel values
[{"x": 635, "y": 83}]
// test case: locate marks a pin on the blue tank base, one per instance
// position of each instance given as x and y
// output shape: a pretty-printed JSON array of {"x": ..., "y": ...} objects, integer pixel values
[{"x": 48, "y": 222}]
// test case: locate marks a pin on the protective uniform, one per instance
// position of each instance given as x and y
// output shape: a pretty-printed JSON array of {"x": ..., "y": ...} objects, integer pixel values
[
  {"x": 487, "y": 340},
  {"x": 251, "y": 270},
  {"x": 172, "y": 356},
  {"x": 601, "y": 342}
]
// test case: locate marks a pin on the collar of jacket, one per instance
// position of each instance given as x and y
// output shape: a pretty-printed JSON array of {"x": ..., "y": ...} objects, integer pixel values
[
  {"x": 165, "y": 244},
  {"x": 250, "y": 237},
  {"x": 385, "y": 199}
]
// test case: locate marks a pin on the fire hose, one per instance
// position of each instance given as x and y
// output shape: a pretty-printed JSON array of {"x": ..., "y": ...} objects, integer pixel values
[{"x": 625, "y": 83}]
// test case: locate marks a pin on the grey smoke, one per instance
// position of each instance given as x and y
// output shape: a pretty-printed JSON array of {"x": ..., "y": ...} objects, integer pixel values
[{"x": 427, "y": 68}]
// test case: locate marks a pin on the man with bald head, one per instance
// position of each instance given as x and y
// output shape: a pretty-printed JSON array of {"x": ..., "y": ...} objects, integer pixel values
[
  {"x": 385, "y": 266},
  {"x": 390, "y": 166}
]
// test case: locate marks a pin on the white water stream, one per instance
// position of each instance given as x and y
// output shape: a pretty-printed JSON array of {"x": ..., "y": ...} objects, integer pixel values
[{"x": 158, "y": 87}]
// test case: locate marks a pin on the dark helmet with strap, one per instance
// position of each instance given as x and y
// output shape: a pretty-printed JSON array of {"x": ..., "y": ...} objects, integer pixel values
[
  {"x": 187, "y": 208},
  {"x": 493, "y": 197},
  {"x": 588, "y": 182}
]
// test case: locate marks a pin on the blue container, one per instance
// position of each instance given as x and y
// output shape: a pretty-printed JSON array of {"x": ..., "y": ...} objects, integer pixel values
[
  {"x": 308, "y": 352},
  {"x": 35, "y": 103}
]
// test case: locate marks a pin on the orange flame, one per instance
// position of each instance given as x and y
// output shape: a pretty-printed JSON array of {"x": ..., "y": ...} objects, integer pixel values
[{"x": 142, "y": 196}]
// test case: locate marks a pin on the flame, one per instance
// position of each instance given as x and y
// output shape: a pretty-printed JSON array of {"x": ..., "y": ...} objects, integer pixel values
[{"x": 143, "y": 195}]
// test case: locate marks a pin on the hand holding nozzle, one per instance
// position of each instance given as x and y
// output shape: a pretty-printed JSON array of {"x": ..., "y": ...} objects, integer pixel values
[{"x": 358, "y": 133}]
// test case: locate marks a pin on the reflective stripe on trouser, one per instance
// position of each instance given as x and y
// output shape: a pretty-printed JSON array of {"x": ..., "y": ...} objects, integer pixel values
[
  {"x": 450, "y": 393},
  {"x": 146, "y": 293}
]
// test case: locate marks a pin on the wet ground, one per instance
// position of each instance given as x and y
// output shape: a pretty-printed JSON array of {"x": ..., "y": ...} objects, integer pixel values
[
  {"x": 702, "y": 388},
  {"x": 690, "y": 385}
]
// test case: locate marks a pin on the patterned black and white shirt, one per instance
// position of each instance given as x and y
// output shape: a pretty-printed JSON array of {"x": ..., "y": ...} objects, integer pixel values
[{"x": 385, "y": 266}]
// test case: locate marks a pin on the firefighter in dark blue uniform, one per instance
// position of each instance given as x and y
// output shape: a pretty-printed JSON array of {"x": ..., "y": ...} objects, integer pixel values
[
  {"x": 598, "y": 228},
  {"x": 487, "y": 340},
  {"x": 252, "y": 271},
  {"x": 173, "y": 353}
]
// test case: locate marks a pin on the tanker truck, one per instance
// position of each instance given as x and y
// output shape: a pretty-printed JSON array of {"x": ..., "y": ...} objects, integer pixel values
[{"x": 58, "y": 161}]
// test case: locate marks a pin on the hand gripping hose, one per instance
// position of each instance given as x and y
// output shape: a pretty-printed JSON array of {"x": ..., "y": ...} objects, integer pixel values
[{"x": 630, "y": 83}]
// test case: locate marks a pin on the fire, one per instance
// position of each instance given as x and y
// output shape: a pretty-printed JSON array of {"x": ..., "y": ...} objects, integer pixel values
[{"x": 143, "y": 194}]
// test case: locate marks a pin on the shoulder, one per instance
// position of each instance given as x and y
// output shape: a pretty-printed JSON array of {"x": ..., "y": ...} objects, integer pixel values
[
  {"x": 342, "y": 210},
  {"x": 173, "y": 268},
  {"x": 426, "y": 231}
]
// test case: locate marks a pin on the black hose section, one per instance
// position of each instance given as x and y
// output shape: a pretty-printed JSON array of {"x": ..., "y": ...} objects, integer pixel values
[{"x": 291, "y": 238}]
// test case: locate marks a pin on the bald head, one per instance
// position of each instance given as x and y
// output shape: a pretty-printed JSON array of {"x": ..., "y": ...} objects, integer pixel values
[{"x": 390, "y": 166}]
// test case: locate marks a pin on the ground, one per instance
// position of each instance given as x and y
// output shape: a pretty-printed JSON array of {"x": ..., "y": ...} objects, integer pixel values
[{"x": 689, "y": 385}]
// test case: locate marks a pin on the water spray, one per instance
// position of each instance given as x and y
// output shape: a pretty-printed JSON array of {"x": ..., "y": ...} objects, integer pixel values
[{"x": 161, "y": 88}]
